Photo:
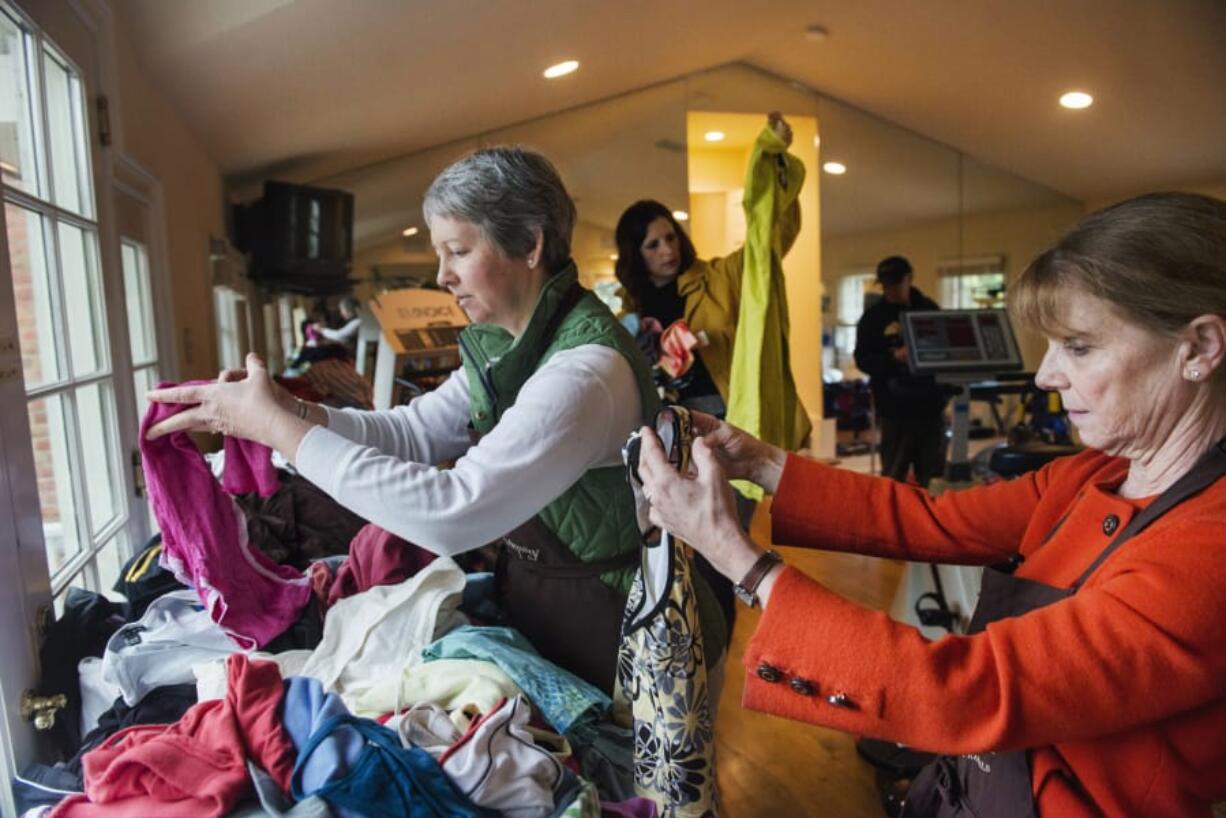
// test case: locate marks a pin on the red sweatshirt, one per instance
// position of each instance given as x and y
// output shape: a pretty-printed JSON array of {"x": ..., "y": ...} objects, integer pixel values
[
  {"x": 1120, "y": 689},
  {"x": 197, "y": 767}
]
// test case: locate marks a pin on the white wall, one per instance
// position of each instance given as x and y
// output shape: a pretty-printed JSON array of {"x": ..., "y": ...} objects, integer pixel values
[
  {"x": 153, "y": 133},
  {"x": 1018, "y": 235}
]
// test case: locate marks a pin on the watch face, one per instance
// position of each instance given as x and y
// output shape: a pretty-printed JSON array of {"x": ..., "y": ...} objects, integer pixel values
[{"x": 748, "y": 598}]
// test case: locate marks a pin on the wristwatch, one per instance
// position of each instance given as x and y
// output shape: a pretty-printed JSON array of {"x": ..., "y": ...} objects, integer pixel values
[{"x": 747, "y": 589}]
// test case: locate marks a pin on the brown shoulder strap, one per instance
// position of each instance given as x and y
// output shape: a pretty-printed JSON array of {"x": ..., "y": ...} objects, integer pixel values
[
  {"x": 570, "y": 299},
  {"x": 1204, "y": 474}
]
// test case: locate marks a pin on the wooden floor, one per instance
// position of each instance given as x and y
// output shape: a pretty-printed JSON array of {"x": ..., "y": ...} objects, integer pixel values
[{"x": 770, "y": 766}]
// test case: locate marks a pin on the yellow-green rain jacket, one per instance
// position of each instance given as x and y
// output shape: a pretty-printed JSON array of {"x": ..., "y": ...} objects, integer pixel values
[
  {"x": 712, "y": 288},
  {"x": 763, "y": 399}
]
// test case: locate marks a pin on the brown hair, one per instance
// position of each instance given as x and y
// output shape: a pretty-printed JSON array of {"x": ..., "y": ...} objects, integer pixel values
[{"x": 1159, "y": 259}]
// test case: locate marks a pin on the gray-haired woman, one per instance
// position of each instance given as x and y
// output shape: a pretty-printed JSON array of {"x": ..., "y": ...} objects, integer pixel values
[{"x": 551, "y": 387}]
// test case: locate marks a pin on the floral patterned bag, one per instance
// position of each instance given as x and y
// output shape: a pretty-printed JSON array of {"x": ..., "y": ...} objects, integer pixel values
[{"x": 661, "y": 685}]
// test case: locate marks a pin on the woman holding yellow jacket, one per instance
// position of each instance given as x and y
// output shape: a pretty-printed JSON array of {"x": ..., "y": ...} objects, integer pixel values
[{"x": 662, "y": 277}]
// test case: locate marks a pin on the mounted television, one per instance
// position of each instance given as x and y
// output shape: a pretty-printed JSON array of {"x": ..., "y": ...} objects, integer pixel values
[{"x": 300, "y": 238}]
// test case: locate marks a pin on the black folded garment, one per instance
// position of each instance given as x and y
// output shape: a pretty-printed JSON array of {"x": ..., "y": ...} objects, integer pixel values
[
  {"x": 162, "y": 705},
  {"x": 82, "y": 630},
  {"x": 142, "y": 579},
  {"x": 298, "y": 523},
  {"x": 39, "y": 785}
]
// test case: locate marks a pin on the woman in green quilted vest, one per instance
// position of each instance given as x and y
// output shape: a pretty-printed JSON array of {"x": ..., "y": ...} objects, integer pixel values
[{"x": 533, "y": 424}]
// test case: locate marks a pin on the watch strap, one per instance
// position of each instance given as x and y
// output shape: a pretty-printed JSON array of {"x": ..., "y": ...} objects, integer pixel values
[{"x": 747, "y": 589}]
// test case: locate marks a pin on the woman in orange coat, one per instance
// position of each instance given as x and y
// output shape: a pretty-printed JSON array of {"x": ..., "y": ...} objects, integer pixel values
[{"x": 1093, "y": 678}]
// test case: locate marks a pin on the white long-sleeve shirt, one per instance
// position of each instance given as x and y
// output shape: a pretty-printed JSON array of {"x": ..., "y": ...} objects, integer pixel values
[
  {"x": 573, "y": 414},
  {"x": 345, "y": 334}
]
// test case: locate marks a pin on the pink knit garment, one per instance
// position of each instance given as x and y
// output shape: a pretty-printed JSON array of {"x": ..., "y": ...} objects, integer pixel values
[
  {"x": 248, "y": 468},
  {"x": 204, "y": 535}
]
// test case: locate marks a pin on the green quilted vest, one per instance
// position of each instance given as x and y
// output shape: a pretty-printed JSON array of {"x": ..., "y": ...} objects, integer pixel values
[{"x": 595, "y": 516}]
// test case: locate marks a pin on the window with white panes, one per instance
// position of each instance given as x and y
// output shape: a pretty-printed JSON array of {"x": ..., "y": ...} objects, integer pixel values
[
  {"x": 142, "y": 338},
  {"x": 138, "y": 291},
  {"x": 973, "y": 291},
  {"x": 233, "y": 327},
  {"x": 972, "y": 283},
  {"x": 285, "y": 322},
  {"x": 852, "y": 288},
  {"x": 52, "y": 230}
]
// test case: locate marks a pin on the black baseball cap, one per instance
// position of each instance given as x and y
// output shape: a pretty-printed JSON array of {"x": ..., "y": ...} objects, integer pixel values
[{"x": 893, "y": 269}]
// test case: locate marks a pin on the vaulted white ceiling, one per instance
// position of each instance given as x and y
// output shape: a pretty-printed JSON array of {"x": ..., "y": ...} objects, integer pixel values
[{"x": 318, "y": 86}]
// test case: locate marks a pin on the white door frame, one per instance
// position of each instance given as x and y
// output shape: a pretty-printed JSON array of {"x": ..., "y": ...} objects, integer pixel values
[
  {"x": 24, "y": 580},
  {"x": 26, "y": 585},
  {"x": 131, "y": 179}
]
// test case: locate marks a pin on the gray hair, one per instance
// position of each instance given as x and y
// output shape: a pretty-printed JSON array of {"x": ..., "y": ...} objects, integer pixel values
[{"x": 510, "y": 192}]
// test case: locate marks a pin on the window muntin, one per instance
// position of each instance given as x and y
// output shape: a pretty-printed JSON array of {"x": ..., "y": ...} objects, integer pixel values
[{"x": 47, "y": 184}]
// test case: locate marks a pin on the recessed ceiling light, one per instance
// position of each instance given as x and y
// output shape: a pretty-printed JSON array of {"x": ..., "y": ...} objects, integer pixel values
[
  {"x": 816, "y": 33},
  {"x": 835, "y": 168},
  {"x": 714, "y": 136},
  {"x": 612, "y": 256},
  {"x": 409, "y": 232},
  {"x": 1076, "y": 99},
  {"x": 561, "y": 69},
  {"x": 817, "y": 141},
  {"x": 681, "y": 215}
]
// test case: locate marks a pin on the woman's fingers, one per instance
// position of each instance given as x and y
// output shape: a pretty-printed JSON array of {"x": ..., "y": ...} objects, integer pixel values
[
  {"x": 179, "y": 394},
  {"x": 706, "y": 464},
  {"x": 705, "y": 424},
  {"x": 255, "y": 365},
  {"x": 190, "y": 420},
  {"x": 653, "y": 515},
  {"x": 780, "y": 126},
  {"x": 659, "y": 476},
  {"x": 651, "y": 457},
  {"x": 231, "y": 375}
]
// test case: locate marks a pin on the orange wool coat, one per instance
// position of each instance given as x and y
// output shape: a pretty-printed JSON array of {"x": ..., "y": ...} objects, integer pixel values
[{"x": 1120, "y": 690}]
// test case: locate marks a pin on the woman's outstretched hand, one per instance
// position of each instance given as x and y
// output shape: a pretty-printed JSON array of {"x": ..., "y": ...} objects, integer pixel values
[
  {"x": 245, "y": 404},
  {"x": 741, "y": 455},
  {"x": 780, "y": 126},
  {"x": 698, "y": 507}
]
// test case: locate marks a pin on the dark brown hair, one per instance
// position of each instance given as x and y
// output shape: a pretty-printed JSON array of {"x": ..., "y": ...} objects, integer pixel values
[{"x": 631, "y": 230}]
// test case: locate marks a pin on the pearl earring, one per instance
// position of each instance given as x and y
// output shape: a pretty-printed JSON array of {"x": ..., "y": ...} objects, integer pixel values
[
  {"x": 1194, "y": 374},
  {"x": 531, "y": 263}
]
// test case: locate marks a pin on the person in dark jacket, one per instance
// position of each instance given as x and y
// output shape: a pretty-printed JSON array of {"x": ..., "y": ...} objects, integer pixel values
[{"x": 911, "y": 408}]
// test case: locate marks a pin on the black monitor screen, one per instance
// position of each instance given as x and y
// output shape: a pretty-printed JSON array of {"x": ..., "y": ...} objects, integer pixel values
[{"x": 297, "y": 230}]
